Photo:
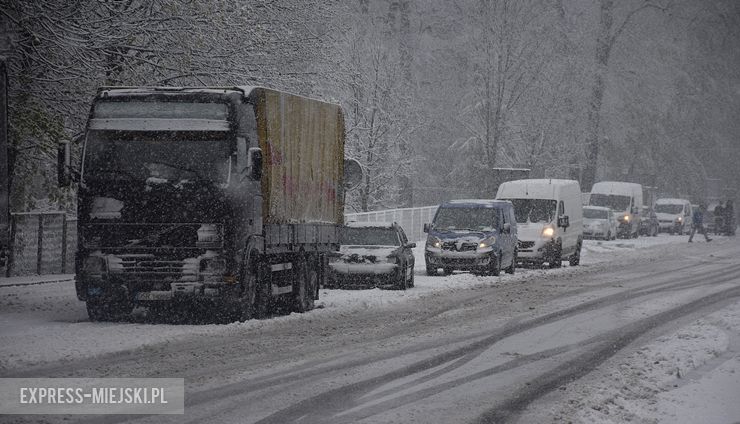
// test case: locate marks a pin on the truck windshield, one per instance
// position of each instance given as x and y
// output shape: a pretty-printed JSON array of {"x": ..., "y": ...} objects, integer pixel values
[
  {"x": 613, "y": 201},
  {"x": 159, "y": 155},
  {"x": 475, "y": 219},
  {"x": 367, "y": 236},
  {"x": 534, "y": 210},
  {"x": 669, "y": 208}
]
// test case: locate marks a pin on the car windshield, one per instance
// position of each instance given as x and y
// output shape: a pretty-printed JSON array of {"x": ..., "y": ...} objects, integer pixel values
[
  {"x": 459, "y": 218},
  {"x": 162, "y": 155},
  {"x": 595, "y": 213},
  {"x": 534, "y": 210},
  {"x": 369, "y": 236},
  {"x": 669, "y": 208},
  {"x": 612, "y": 201}
]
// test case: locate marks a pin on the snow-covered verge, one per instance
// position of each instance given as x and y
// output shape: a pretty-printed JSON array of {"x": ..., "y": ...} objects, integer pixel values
[
  {"x": 46, "y": 323},
  {"x": 689, "y": 376}
]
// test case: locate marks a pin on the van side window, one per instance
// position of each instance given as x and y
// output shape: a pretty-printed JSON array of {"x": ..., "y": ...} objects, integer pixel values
[{"x": 561, "y": 208}]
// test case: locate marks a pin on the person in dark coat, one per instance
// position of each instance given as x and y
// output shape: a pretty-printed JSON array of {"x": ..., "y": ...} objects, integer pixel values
[
  {"x": 698, "y": 223},
  {"x": 729, "y": 218}
]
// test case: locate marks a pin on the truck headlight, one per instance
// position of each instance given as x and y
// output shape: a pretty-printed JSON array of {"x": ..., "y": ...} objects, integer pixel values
[
  {"x": 434, "y": 242},
  {"x": 548, "y": 232},
  {"x": 94, "y": 265}
]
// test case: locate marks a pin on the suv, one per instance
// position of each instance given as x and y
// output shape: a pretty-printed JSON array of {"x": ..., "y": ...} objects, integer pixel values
[
  {"x": 373, "y": 254},
  {"x": 477, "y": 235}
]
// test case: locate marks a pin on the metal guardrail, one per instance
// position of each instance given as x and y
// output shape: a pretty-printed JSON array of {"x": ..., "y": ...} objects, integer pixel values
[{"x": 412, "y": 220}]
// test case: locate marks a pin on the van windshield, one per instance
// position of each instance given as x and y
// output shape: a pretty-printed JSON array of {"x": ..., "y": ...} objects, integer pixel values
[
  {"x": 612, "y": 201},
  {"x": 534, "y": 210},
  {"x": 474, "y": 219},
  {"x": 669, "y": 208}
]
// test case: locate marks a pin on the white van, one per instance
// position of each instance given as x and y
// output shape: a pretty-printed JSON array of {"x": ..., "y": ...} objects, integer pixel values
[
  {"x": 625, "y": 199},
  {"x": 549, "y": 219},
  {"x": 674, "y": 215}
]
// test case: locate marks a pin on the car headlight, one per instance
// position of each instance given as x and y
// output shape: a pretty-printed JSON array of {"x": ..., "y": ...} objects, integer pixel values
[
  {"x": 213, "y": 266},
  {"x": 434, "y": 242},
  {"x": 548, "y": 232},
  {"x": 679, "y": 219},
  {"x": 392, "y": 259},
  {"x": 94, "y": 265},
  {"x": 209, "y": 235},
  {"x": 488, "y": 242}
]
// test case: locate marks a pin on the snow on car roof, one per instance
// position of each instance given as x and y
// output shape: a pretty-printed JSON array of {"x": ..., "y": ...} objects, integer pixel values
[{"x": 382, "y": 224}]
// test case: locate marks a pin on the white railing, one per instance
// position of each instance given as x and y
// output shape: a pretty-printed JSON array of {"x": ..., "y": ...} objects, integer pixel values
[{"x": 412, "y": 220}]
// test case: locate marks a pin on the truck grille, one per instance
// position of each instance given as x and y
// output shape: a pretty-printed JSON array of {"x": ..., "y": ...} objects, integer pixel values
[{"x": 150, "y": 268}]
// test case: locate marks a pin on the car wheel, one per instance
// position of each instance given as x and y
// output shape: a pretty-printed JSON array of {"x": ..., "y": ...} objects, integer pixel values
[
  {"x": 411, "y": 280},
  {"x": 431, "y": 270},
  {"x": 447, "y": 271},
  {"x": 575, "y": 259},
  {"x": 608, "y": 236}
]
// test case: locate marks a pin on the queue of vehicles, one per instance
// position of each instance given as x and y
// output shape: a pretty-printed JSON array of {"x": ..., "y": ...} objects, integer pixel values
[{"x": 234, "y": 197}]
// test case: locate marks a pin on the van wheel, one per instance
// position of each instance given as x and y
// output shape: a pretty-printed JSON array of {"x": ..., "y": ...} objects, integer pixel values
[
  {"x": 575, "y": 259},
  {"x": 496, "y": 270},
  {"x": 556, "y": 261}
]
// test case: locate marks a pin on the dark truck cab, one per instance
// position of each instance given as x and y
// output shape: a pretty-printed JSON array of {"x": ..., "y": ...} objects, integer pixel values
[{"x": 175, "y": 200}]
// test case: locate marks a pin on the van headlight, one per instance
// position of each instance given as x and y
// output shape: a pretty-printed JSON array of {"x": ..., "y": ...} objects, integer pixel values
[
  {"x": 548, "y": 232},
  {"x": 434, "y": 242},
  {"x": 488, "y": 242}
]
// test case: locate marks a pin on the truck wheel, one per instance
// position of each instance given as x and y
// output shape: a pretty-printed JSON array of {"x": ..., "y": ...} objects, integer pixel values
[
  {"x": 304, "y": 286},
  {"x": 108, "y": 309},
  {"x": 262, "y": 305}
]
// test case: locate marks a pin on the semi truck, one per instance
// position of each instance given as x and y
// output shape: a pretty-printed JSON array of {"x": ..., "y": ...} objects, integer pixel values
[{"x": 231, "y": 197}]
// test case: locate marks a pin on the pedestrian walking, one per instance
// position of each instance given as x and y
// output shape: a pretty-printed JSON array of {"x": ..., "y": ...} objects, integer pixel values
[{"x": 698, "y": 223}]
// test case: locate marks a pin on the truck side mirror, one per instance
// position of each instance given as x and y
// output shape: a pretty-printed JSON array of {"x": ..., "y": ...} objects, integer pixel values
[
  {"x": 564, "y": 221},
  {"x": 64, "y": 165},
  {"x": 507, "y": 228},
  {"x": 427, "y": 227},
  {"x": 255, "y": 163}
]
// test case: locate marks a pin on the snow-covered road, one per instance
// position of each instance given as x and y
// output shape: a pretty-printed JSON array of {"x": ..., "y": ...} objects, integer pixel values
[{"x": 645, "y": 330}]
